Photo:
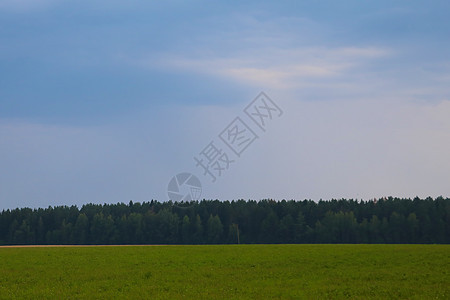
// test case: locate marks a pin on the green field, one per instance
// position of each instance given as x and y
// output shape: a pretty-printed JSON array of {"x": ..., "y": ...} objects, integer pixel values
[{"x": 227, "y": 271}]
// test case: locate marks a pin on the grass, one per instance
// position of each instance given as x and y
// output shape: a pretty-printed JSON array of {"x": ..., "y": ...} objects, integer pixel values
[{"x": 227, "y": 271}]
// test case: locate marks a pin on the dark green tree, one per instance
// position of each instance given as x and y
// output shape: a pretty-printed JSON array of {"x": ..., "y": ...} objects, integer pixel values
[{"x": 214, "y": 229}]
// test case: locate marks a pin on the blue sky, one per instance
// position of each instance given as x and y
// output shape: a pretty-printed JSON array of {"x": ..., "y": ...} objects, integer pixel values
[{"x": 104, "y": 101}]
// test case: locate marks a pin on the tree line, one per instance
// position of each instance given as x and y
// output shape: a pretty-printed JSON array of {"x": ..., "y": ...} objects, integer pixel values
[{"x": 386, "y": 220}]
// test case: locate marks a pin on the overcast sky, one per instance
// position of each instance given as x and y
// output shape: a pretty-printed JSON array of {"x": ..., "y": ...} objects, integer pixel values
[{"x": 105, "y": 101}]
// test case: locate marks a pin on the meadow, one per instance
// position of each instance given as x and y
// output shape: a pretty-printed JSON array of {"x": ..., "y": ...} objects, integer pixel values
[{"x": 226, "y": 272}]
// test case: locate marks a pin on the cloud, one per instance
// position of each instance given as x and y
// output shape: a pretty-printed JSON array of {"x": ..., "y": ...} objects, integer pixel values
[
  {"x": 132, "y": 158},
  {"x": 362, "y": 148},
  {"x": 353, "y": 149},
  {"x": 275, "y": 67},
  {"x": 365, "y": 103},
  {"x": 303, "y": 55},
  {"x": 318, "y": 73},
  {"x": 54, "y": 165}
]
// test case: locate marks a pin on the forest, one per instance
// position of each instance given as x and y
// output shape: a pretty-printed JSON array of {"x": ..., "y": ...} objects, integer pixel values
[{"x": 386, "y": 220}]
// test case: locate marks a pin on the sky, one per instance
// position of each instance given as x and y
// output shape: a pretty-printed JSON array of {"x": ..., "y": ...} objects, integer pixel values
[{"x": 107, "y": 101}]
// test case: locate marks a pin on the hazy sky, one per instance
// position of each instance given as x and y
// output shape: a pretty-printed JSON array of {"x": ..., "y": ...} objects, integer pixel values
[{"x": 105, "y": 101}]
